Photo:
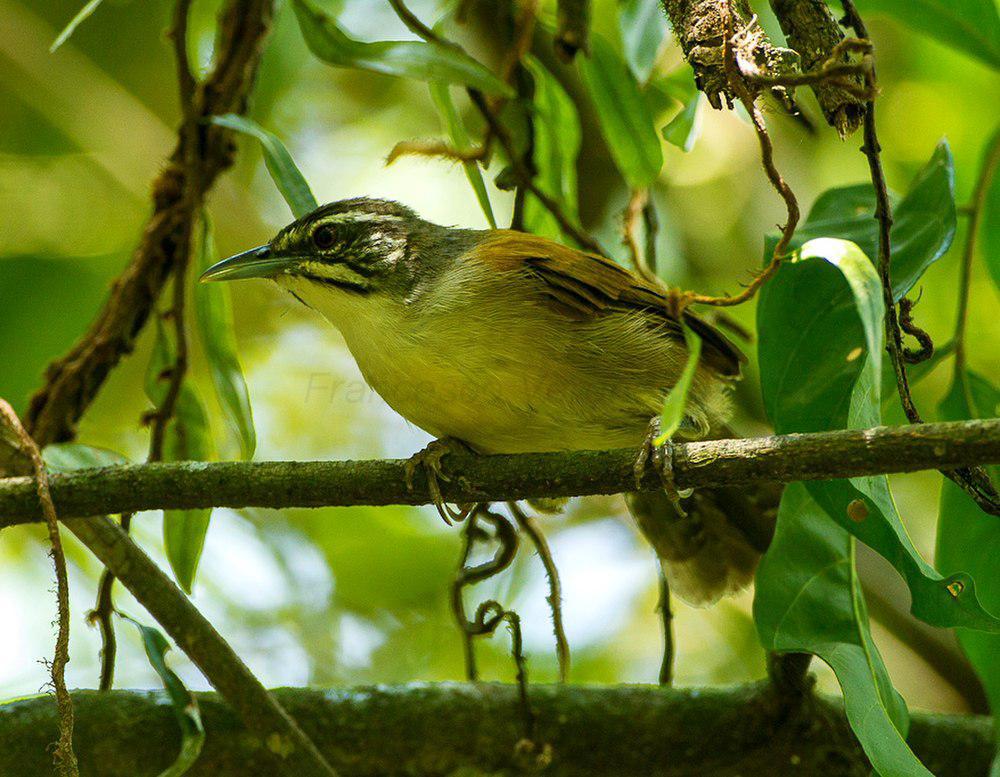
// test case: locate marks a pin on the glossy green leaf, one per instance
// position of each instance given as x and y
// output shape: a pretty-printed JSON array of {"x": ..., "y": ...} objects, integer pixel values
[
  {"x": 188, "y": 438},
  {"x": 682, "y": 130},
  {"x": 923, "y": 221},
  {"x": 972, "y": 26},
  {"x": 557, "y": 144},
  {"x": 989, "y": 220},
  {"x": 411, "y": 59},
  {"x": 643, "y": 26},
  {"x": 820, "y": 357},
  {"x": 624, "y": 114},
  {"x": 214, "y": 317},
  {"x": 672, "y": 414},
  {"x": 68, "y": 456},
  {"x": 808, "y": 599},
  {"x": 284, "y": 172},
  {"x": 81, "y": 16},
  {"x": 969, "y": 539},
  {"x": 453, "y": 124},
  {"x": 183, "y": 702}
]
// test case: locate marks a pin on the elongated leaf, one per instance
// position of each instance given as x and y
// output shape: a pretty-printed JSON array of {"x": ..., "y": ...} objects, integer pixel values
[
  {"x": 923, "y": 221},
  {"x": 808, "y": 599},
  {"x": 682, "y": 130},
  {"x": 821, "y": 370},
  {"x": 452, "y": 122},
  {"x": 68, "y": 456},
  {"x": 184, "y": 704},
  {"x": 81, "y": 16},
  {"x": 411, "y": 59},
  {"x": 672, "y": 414},
  {"x": 643, "y": 26},
  {"x": 624, "y": 114},
  {"x": 187, "y": 439},
  {"x": 969, "y": 539},
  {"x": 557, "y": 145},
  {"x": 284, "y": 172},
  {"x": 972, "y": 26},
  {"x": 214, "y": 316},
  {"x": 989, "y": 224}
]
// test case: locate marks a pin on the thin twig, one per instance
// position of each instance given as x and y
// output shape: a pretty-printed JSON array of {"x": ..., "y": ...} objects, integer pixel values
[
  {"x": 496, "y": 129},
  {"x": 833, "y": 71},
  {"x": 666, "y": 675},
  {"x": 530, "y": 527},
  {"x": 749, "y": 101},
  {"x": 991, "y": 162},
  {"x": 64, "y": 757},
  {"x": 909, "y": 326},
  {"x": 973, "y": 480},
  {"x": 633, "y": 214},
  {"x": 506, "y": 538}
]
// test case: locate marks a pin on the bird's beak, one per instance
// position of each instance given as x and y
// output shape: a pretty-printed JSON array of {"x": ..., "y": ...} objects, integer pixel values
[{"x": 258, "y": 262}]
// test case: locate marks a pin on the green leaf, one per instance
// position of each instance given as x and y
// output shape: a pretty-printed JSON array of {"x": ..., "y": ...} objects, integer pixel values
[
  {"x": 453, "y": 124},
  {"x": 188, "y": 438},
  {"x": 624, "y": 114},
  {"x": 284, "y": 172},
  {"x": 557, "y": 145},
  {"x": 989, "y": 227},
  {"x": 411, "y": 59},
  {"x": 923, "y": 222},
  {"x": 820, "y": 356},
  {"x": 808, "y": 599},
  {"x": 972, "y": 26},
  {"x": 672, "y": 414},
  {"x": 184, "y": 704},
  {"x": 682, "y": 130},
  {"x": 969, "y": 539},
  {"x": 643, "y": 26},
  {"x": 81, "y": 16},
  {"x": 68, "y": 456},
  {"x": 214, "y": 317}
]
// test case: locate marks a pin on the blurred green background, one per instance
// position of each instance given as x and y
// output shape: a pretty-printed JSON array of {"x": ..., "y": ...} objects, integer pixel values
[{"x": 353, "y": 595}]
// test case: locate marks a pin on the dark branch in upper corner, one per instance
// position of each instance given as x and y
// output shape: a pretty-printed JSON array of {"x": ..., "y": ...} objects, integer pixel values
[
  {"x": 783, "y": 458},
  {"x": 73, "y": 381}
]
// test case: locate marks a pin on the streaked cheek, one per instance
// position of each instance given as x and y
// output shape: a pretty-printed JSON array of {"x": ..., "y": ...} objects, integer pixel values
[{"x": 335, "y": 273}]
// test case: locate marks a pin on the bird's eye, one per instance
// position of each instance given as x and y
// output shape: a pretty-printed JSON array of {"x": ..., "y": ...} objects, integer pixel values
[{"x": 323, "y": 237}]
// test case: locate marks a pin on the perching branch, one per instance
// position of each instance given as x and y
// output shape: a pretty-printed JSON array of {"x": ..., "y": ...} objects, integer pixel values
[
  {"x": 450, "y": 729},
  {"x": 474, "y": 478},
  {"x": 72, "y": 382}
]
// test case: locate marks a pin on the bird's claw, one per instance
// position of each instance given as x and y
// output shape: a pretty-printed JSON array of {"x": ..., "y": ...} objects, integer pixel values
[
  {"x": 662, "y": 456},
  {"x": 429, "y": 459}
]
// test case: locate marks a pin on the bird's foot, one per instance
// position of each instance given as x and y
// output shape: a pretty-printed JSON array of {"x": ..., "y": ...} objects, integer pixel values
[
  {"x": 429, "y": 459},
  {"x": 661, "y": 452}
]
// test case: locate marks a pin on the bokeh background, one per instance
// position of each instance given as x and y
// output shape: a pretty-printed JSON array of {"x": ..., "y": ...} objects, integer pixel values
[{"x": 358, "y": 595}]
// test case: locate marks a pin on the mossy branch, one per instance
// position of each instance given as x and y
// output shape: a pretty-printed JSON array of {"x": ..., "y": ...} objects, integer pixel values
[{"x": 781, "y": 458}]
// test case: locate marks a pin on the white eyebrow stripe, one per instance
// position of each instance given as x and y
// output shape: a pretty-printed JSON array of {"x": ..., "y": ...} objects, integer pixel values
[{"x": 349, "y": 216}]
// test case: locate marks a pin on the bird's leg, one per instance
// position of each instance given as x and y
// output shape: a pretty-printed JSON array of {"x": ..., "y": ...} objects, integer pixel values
[
  {"x": 429, "y": 459},
  {"x": 662, "y": 456}
]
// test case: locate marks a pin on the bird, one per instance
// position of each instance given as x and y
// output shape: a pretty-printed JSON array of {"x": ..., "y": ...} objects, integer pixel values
[{"x": 505, "y": 342}]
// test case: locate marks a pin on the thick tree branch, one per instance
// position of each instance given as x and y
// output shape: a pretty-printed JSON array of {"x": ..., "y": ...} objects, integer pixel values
[
  {"x": 72, "y": 382},
  {"x": 449, "y": 729},
  {"x": 781, "y": 458}
]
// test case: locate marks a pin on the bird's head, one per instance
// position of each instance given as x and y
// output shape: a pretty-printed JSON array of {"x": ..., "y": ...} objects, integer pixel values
[{"x": 354, "y": 247}]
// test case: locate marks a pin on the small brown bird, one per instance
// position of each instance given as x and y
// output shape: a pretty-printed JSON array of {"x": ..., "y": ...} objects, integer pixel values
[{"x": 513, "y": 343}]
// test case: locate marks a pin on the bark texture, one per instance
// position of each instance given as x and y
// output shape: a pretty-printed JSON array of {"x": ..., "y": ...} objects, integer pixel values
[
  {"x": 778, "y": 458},
  {"x": 470, "y": 730}
]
